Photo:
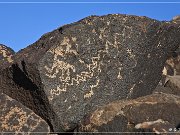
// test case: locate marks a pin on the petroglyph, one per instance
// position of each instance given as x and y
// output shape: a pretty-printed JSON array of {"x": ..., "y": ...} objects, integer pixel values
[
  {"x": 119, "y": 74},
  {"x": 131, "y": 90},
  {"x": 67, "y": 73},
  {"x": 6, "y": 119},
  {"x": 62, "y": 66},
  {"x": 64, "y": 70},
  {"x": 15, "y": 117},
  {"x": 91, "y": 93}
]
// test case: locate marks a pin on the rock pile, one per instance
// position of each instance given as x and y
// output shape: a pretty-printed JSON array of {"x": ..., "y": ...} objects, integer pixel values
[{"x": 95, "y": 74}]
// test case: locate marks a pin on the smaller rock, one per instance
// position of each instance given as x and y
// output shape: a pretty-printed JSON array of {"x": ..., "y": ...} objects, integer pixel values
[
  {"x": 154, "y": 113},
  {"x": 16, "y": 118}
]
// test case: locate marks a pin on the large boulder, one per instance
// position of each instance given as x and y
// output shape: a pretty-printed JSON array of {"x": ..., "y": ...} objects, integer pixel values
[
  {"x": 102, "y": 59},
  {"x": 78, "y": 67},
  {"x": 16, "y": 118},
  {"x": 156, "y": 113}
]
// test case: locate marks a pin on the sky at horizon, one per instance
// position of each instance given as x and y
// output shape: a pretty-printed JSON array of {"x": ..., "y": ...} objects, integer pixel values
[{"x": 22, "y": 24}]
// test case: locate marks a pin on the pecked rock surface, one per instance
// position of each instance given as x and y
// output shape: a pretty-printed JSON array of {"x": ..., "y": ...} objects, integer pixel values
[
  {"x": 14, "y": 118},
  {"x": 6, "y": 54},
  {"x": 102, "y": 59},
  {"x": 156, "y": 113},
  {"x": 76, "y": 68}
]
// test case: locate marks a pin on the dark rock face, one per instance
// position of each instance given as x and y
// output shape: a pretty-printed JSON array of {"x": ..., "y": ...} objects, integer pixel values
[
  {"x": 20, "y": 79},
  {"x": 6, "y": 54},
  {"x": 73, "y": 70},
  {"x": 154, "y": 113},
  {"x": 103, "y": 59},
  {"x": 14, "y": 118}
]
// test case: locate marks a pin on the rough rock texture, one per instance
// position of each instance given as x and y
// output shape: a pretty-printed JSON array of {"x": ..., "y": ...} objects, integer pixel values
[
  {"x": 14, "y": 118},
  {"x": 102, "y": 59},
  {"x": 174, "y": 83},
  {"x": 153, "y": 113},
  {"x": 172, "y": 64},
  {"x": 171, "y": 85},
  {"x": 6, "y": 54},
  {"x": 20, "y": 79},
  {"x": 75, "y": 69},
  {"x": 162, "y": 89}
]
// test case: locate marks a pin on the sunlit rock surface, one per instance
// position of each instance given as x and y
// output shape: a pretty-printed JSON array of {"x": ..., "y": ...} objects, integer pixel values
[
  {"x": 73, "y": 70},
  {"x": 6, "y": 54}
]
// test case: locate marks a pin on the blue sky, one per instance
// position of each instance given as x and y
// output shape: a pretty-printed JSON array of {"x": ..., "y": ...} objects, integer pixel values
[{"x": 22, "y": 24}]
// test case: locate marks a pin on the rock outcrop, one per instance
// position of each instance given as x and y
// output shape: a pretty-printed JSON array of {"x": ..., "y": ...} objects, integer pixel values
[
  {"x": 176, "y": 19},
  {"x": 73, "y": 70},
  {"x": 16, "y": 118},
  {"x": 6, "y": 54},
  {"x": 158, "y": 113},
  {"x": 172, "y": 64}
]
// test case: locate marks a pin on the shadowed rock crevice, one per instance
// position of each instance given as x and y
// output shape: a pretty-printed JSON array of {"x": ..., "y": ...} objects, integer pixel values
[
  {"x": 21, "y": 79},
  {"x": 28, "y": 93}
]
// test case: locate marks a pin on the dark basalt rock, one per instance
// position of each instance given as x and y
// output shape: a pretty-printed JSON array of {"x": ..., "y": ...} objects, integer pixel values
[
  {"x": 102, "y": 59},
  {"x": 20, "y": 79},
  {"x": 75, "y": 69},
  {"x": 16, "y": 118},
  {"x": 156, "y": 113}
]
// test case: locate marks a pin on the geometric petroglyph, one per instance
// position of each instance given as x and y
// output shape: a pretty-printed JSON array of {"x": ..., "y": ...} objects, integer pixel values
[
  {"x": 65, "y": 69},
  {"x": 69, "y": 46}
]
